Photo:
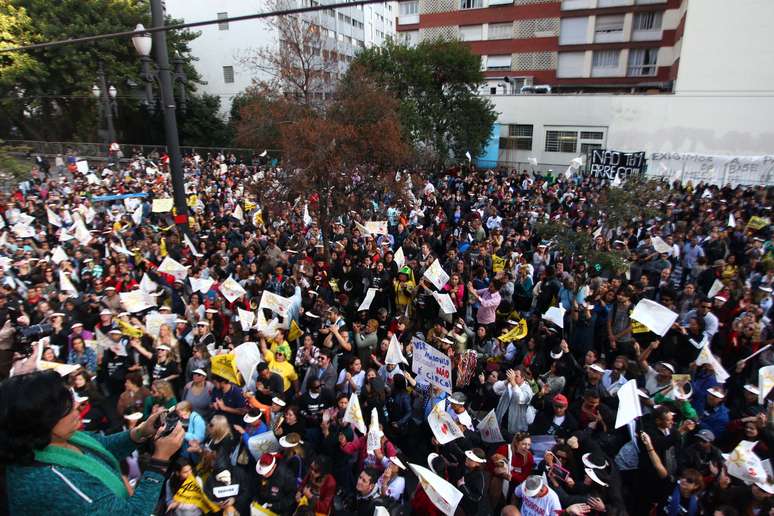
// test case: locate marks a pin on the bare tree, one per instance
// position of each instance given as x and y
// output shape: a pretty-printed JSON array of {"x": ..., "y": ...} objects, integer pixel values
[{"x": 303, "y": 64}]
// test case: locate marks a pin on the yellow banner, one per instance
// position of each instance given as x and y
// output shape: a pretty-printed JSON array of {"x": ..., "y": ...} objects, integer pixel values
[
  {"x": 191, "y": 493},
  {"x": 129, "y": 330},
  {"x": 225, "y": 367},
  {"x": 294, "y": 332},
  {"x": 757, "y": 223},
  {"x": 257, "y": 510},
  {"x": 517, "y": 333},
  {"x": 498, "y": 264}
]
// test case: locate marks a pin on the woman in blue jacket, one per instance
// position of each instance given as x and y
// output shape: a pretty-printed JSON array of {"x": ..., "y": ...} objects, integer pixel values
[{"x": 52, "y": 468}]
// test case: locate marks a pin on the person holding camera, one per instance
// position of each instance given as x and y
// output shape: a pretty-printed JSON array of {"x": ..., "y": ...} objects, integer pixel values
[{"x": 52, "y": 468}]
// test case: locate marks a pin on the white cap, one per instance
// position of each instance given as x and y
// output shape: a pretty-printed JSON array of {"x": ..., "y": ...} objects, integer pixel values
[
  {"x": 134, "y": 416},
  {"x": 106, "y": 312},
  {"x": 199, "y": 371},
  {"x": 593, "y": 476},
  {"x": 598, "y": 368},
  {"x": 278, "y": 401},
  {"x": 475, "y": 458},
  {"x": 532, "y": 485},
  {"x": 716, "y": 392},
  {"x": 248, "y": 418},
  {"x": 395, "y": 460},
  {"x": 163, "y": 347},
  {"x": 752, "y": 389}
]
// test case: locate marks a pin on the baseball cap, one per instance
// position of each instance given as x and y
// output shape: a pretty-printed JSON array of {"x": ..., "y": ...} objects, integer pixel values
[
  {"x": 560, "y": 399},
  {"x": 706, "y": 435}
]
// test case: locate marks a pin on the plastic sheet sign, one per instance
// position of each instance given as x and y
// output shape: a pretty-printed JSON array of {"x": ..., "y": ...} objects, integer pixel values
[{"x": 431, "y": 365}]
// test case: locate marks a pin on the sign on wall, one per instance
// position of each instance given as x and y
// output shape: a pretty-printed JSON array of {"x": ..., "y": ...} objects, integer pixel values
[
  {"x": 610, "y": 163},
  {"x": 713, "y": 169}
]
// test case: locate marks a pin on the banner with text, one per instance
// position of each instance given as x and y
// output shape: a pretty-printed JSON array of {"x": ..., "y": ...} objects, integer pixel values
[
  {"x": 610, "y": 163},
  {"x": 713, "y": 169},
  {"x": 431, "y": 365}
]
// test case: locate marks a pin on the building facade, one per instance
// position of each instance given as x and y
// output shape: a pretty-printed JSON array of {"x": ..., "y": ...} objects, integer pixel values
[
  {"x": 660, "y": 76},
  {"x": 220, "y": 49}
]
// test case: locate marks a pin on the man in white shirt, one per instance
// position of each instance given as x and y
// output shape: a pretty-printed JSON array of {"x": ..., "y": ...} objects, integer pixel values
[
  {"x": 537, "y": 499},
  {"x": 711, "y": 323}
]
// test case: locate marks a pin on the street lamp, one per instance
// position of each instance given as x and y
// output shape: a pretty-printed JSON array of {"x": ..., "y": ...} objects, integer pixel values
[
  {"x": 107, "y": 102},
  {"x": 162, "y": 74}
]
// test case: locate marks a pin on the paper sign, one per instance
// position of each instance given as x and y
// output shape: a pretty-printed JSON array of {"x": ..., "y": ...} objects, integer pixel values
[
  {"x": 555, "y": 315},
  {"x": 374, "y": 439},
  {"x": 202, "y": 285},
  {"x": 246, "y": 319},
  {"x": 498, "y": 264},
  {"x": 247, "y": 356},
  {"x": 399, "y": 258},
  {"x": 757, "y": 223},
  {"x": 82, "y": 234},
  {"x": 147, "y": 285},
  {"x": 82, "y": 166},
  {"x": 369, "y": 298},
  {"x": 263, "y": 443},
  {"x": 533, "y": 161},
  {"x": 444, "y": 495},
  {"x": 490, "y": 429},
  {"x": 225, "y": 367},
  {"x": 628, "y": 404},
  {"x": 53, "y": 218},
  {"x": 706, "y": 357},
  {"x": 660, "y": 246},
  {"x": 394, "y": 353},
  {"x": 655, "y": 316},
  {"x": 173, "y": 268},
  {"x": 162, "y": 205},
  {"x": 744, "y": 464},
  {"x": 443, "y": 426},
  {"x": 716, "y": 288},
  {"x": 136, "y": 301},
  {"x": 431, "y": 365},
  {"x": 376, "y": 227},
  {"x": 354, "y": 415},
  {"x": 445, "y": 302},
  {"x": 58, "y": 256},
  {"x": 765, "y": 382},
  {"x": 277, "y": 304},
  {"x": 191, "y": 246},
  {"x": 154, "y": 320},
  {"x": 232, "y": 290},
  {"x": 437, "y": 275},
  {"x": 23, "y": 230},
  {"x": 65, "y": 285}
]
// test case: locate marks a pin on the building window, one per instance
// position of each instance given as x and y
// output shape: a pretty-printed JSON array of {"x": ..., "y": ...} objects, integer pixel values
[
  {"x": 586, "y": 148},
  {"x": 647, "y": 21},
  {"x": 228, "y": 74},
  {"x": 642, "y": 62},
  {"x": 561, "y": 141},
  {"x": 224, "y": 24},
  {"x": 472, "y": 33},
  {"x": 471, "y": 4},
  {"x": 573, "y": 30},
  {"x": 605, "y": 59},
  {"x": 409, "y": 8},
  {"x": 500, "y": 30},
  {"x": 609, "y": 28},
  {"x": 521, "y": 136},
  {"x": 592, "y": 135},
  {"x": 498, "y": 62}
]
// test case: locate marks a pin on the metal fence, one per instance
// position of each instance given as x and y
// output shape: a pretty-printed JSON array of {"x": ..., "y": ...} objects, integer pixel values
[{"x": 97, "y": 151}]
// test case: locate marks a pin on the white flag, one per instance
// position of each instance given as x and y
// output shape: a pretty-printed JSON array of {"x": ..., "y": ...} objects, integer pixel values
[
  {"x": 263, "y": 154},
  {"x": 445, "y": 302},
  {"x": 444, "y": 495},
  {"x": 628, "y": 404},
  {"x": 706, "y": 357},
  {"x": 354, "y": 415},
  {"x": 82, "y": 166},
  {"x": 58, "y": 256},
  {"x": 660, "y": 246},
  {"x": 616, "y": 183},
  {"x": 202, "y": 285},
  {"x": 232, "y": 290},
  {"x": 731, "y": 220},
  {"x": 555, "y": 314},
  {"x": 376, "y": 227},
  {"x": 65, "y": 285},
  {"x": 490, "y": 429},
  {"x": 82, "y": 234},
  {"x": 147, "y": 285},
  {"x": 715, "y": 289},
  {"x": 369, "y": 298},
  {"x": 765, "y": 382},
  {"x": 443, "y": 426},
  {"x": 533, "y": 161},
  {"x": 246, "y": 319},
  {"x": 655, "y": 316},
  {"x": 568, "y": 173},
  {"x": 576, "y": 163},
  {"x": 467, "y": 155},
  {"x": 277, "y": 304},
  {"x": 238, "y": 213},
  {"x": 437, "y": 275},
  {"x": 64, "y": 236},
  {"x": 190, "y": 245},
  {"x": 307, "y": 217},
  {"x": 173, "y": 268},
  {"x": 374, "y": 439},
  {"x": 744, "y": 464},
  {"x": 399, "y": 258},
  {"x": 394, "y": 353},
  {"x": 53, "y": 218},
  {"x": 137, "y": 215}
]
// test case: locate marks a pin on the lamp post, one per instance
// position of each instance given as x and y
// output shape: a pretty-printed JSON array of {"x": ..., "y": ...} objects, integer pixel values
[
  {"x": 163, "y": 75},
  {"x": 107, "y": 98}
]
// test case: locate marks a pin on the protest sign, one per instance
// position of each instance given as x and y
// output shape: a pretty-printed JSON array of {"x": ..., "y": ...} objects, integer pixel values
[
  {"x": 611, "y": 164},
  {"x": 713, "y": 169},
  {"x": 82, "y": 166},
  {"x": 655, "y": 316},
  {"x": 265, "y": 442},
  {"x": 65, "y": 285},
  {"x": 377, "y": 227},
  {"x": 369, "y": 298},
  {"x": 191, "y": 493},
  {"x": 162, "y": 205},
  {"x": 232, "y": 290},
  {"x": 490, "y": 429},
  {"x": 246, "y": 357},
  {"x": 354, "y": 415},
  {"x": 58, "y": 256},
  {"x": 437, "y": 275},
  {"x": 225, "y": 367},
  {"x": 498, "y": 264},
  {"x": 441, "y": 423},
  {"x": 757, "y": 222},
  {"x": 765, "y": 383},
  {"x": 445, "y": 302},
  {"x": 628, "y": 404},
  {"x": 202, "y": 285},
  {"x": 175, "y": 269},
  {"x": 444, "y": 495},
  {"x": 277, "y": 304},
  {"x": 246, "y": 319},
  {"x": 154, "y": 320},
  {"x": 431, "y": 365}
]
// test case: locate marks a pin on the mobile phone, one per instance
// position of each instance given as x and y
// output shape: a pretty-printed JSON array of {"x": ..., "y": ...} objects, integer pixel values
[{"x": 559, "y": 472}]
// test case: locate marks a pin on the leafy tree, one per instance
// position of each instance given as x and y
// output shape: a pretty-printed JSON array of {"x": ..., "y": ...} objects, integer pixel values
[
  {"x": 201, "y": 123},
  {"x": 437, "y": 83},
  {"x": 52, "y": 100}
]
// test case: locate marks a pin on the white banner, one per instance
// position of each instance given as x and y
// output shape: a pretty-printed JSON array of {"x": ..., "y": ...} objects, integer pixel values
[
  {"x": 443, "y": 426},
  {"x": 232, "y": 290},
  {"x": 489, "y": 429},
  {"x": 431, "y": 365},
  {"x": 437, "y": 275},
  {"x": 444, "y": 495},
  {"x": 713, "y": 169}
]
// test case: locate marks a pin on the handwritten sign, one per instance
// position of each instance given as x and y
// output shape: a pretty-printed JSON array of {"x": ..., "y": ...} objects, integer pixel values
[{"x": 432, "y": 365}]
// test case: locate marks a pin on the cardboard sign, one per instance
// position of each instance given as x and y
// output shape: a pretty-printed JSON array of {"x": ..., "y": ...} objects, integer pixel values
[
  {"x": 431, "y": 365},
  {"x": 162, "y": 205},
  {"x": 437, "y": 275}
]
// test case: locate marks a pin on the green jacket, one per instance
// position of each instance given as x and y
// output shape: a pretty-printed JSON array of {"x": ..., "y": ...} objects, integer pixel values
[{"x": 48, "y": 489}]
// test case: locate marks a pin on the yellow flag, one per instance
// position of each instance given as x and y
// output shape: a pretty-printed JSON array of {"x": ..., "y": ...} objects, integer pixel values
[
  {"x": 294, "y": 332},
  {"x": 757, "y": 223},
  {"x": 258, "y": 218},
  {"x": 517, "y": 333},
  {"x": 163, "y": 246},
  {"x": 225, "y": 367},
  {"x": 192, "y": 200},
  {"x": 129, "y": 330},
  {"x": 249, "y": 206},
  {"x": 498, "y": 264},
  {"x": 258, "y": 510},
  {"x": 191, "y": 493}
]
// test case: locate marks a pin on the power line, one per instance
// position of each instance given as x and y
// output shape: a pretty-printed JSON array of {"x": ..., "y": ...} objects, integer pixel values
[{"x": 148, "y": 30}]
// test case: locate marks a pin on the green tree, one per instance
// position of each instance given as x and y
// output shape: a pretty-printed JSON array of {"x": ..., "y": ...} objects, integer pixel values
[
  {"x": 51, "y": 99},
  {"x": 201, "y": 123},
  {"x": 437, "y": 83}
]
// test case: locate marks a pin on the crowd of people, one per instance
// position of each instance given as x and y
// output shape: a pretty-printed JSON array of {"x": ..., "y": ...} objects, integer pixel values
[{"x": 144, "y": 415}]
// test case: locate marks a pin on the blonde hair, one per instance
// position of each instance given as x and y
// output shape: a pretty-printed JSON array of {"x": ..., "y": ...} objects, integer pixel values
[
  {"x": 164, "y": 388},
  {"x": 219, "y": 429}
]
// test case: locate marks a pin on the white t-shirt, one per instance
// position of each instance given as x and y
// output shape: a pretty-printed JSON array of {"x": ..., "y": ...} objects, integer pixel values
[{"x": 546, "y": 505}]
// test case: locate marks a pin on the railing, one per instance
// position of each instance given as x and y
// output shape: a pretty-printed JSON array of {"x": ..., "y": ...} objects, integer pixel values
[{"x": 98, "y": 151}]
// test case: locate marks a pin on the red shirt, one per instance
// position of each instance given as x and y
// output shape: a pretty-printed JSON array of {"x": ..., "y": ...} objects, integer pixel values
[{"x": 521, "y": 466}]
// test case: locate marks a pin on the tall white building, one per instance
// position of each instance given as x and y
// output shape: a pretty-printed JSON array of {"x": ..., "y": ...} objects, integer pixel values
[{"x": 219, "y": 47}]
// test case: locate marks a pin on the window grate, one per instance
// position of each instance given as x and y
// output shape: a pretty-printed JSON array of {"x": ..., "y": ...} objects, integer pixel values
[
  {"x": 224, "y": 24},
  {"x": 592, "y": 135},
  {"x": 561, "y": 141},
  {"x": 228, "y": 74}
]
